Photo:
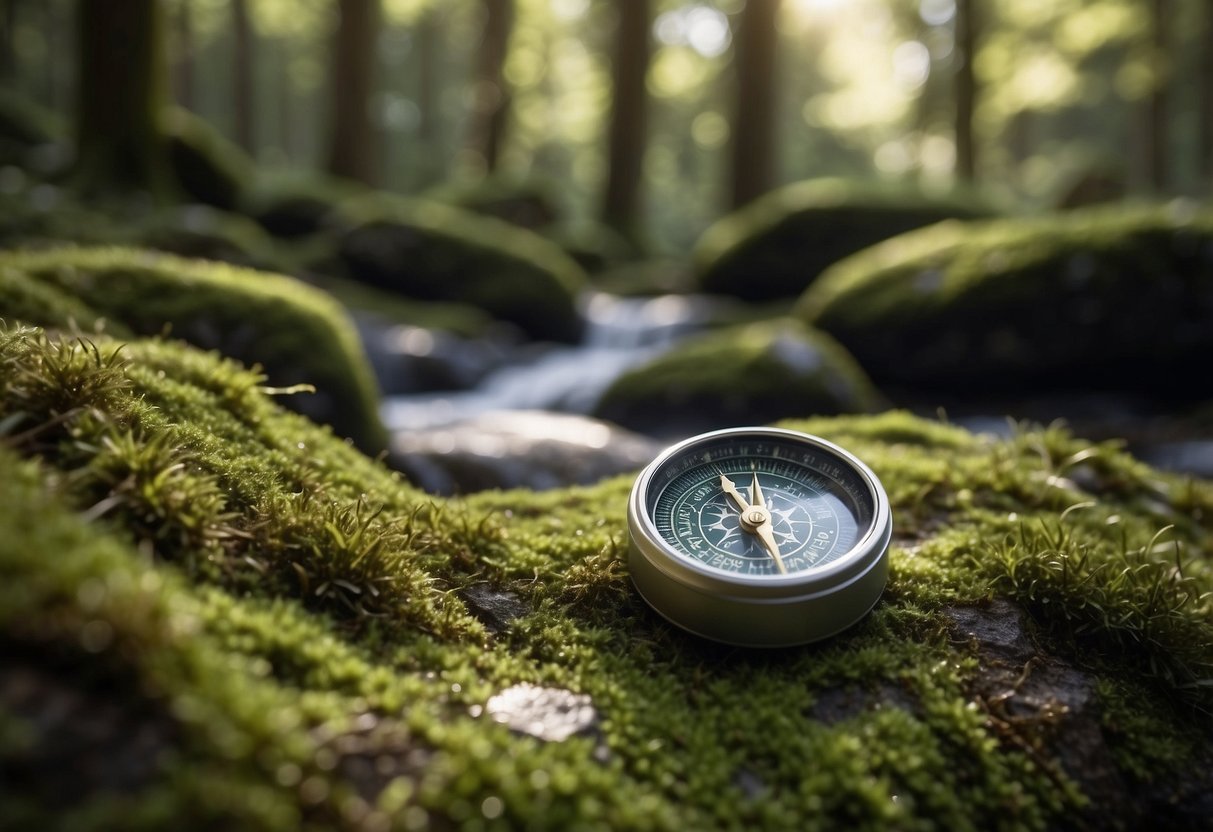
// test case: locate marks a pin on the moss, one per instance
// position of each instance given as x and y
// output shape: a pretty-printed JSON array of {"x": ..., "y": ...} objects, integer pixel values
[
  {"x": 298, "y": 335},
  {"x": 461, "y": 319},
  {"x": 296, "y": 207},
  {"x": 778, "y": 245},
  {"x": 529, "y": 202},
  {"x": 748, "y": 374},
  {"x": 275, "y": 704},
  {"x": 1101, "y": 295},
  {"x": 434, "y": 252},
  {"x": 208, "y": 167}
]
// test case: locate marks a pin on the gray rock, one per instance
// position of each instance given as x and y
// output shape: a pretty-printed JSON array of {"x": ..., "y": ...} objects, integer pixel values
[
  {"x": 496, "y": 608},
  {"x": 549, "y": 714},
  {"x": 412, "y": 359},
  {"x": 517, "y": 449}
]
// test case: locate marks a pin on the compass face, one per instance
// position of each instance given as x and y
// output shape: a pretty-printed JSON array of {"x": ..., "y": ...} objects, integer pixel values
[{"x": 816, "y": 505}]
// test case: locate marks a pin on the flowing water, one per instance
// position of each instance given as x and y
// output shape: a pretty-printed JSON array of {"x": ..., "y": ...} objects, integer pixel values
[{"x": 620, "y": 333}]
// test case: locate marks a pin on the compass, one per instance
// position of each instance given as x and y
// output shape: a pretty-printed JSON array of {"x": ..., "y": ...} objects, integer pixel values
[{"x": 759, "y": 537}]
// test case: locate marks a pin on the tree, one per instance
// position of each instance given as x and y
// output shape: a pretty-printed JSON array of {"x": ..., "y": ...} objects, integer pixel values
[
  {"x": 183, "y": 54},
  {"x": 8, "y": 60},
  {"x": 352, "y": 147},
  {"x": 626, "y": 133},
  {"x": 120, "y": 93},
  {"x": 753, "y": 143},
  {"x": 1158, "y": 102},
  {"x": 1205, "y": 90},
  {"x": 242, "y": 74},
  {"x": 490, "y": 110},
  {"x": 965, "y": 90}
]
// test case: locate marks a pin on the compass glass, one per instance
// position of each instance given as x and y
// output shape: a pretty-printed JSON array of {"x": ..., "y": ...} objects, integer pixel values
[{"x": 816, "y": 504}]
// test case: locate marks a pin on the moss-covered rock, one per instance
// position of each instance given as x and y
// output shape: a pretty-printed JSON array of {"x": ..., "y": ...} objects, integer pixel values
[
  {"x": 25, "y": 127},
  {"x": 1096, "y": 298},
  {"x": 431, "y": 251},
  {"x": 295, "y": 333},
  {"x": 744, "y": 375},
  {"x": 208, "y": 167},
  {"x": 217, "y": 616},
  {"x": 531, "y": 202},
  {"x": 296, "y": 207},
  {"x": 776, "y": 246}
]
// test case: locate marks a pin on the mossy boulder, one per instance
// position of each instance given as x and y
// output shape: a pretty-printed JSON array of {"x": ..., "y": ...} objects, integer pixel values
[
  {"x": 530, "y": 202},
  {"x": 208, "y": 167},
  {"x": 1089, "y": 299},
  {"x": 295, "y": 333},
  {"x": 215, "y": 615},
  {"x": 776, "y": 246},
  {"x": 742, "y": 375},
  {"x": 431, "y": 251},
  {"x": 24, "y": 128},
  {"x": 298, "y": 207}
]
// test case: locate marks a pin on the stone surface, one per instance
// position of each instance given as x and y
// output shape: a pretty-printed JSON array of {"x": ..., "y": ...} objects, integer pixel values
[
  {"x": 548, "y": 714},
  {"x": 517, "y": 449},
  {"x": 496, "y": 608}
]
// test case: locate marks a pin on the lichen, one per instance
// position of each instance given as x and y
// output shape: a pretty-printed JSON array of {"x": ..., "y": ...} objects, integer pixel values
[{"x": 274, "y": 696}]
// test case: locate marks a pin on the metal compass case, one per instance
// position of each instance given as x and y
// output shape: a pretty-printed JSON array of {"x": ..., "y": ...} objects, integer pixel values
[{"x": 759, "y": 537}]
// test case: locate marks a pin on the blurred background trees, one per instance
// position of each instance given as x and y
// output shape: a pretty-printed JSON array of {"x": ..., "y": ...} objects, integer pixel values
[{"x": 659, "y": 115}]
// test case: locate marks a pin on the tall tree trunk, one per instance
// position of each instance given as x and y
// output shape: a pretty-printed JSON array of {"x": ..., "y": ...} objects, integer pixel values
[
  {"x": 352, "y": 148},
  {"x": 486, "y": 132},
  {"x": 753, "y": 144},
  {"x": 626, "y": 135},
  {"x": 1205, "y": 91},
  {"x": 965, "y": 90},
  {"x": 183, "y": 59},
  {"x": 8, "y": 58},
  {"x": 430, "y": 168},
  {"x": 286, "y": 96},
  {"x": 120, "y": 96},
  {"x": 1158, "y": 103},
  {"x": 242, "y": 74}
]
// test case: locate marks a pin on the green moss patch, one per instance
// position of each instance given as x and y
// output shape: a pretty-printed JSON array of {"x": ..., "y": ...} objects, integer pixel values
[
  {"x": 278, "y": 624},
  {"x": 776, "y": 246},
  {"x": 742, "y": 375},
  {"x": 295, "y": 333},
  {"x": 1091, "y": 298},
  {"x": 208, "y": 167},
  {"x": 434, "y": 252}
]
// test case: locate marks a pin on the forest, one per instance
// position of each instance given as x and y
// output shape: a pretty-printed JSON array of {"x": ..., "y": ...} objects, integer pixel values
[{"x": 606, "y": 414}]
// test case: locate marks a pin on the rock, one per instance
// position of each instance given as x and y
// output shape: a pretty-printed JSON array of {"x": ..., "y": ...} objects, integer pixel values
[
  {"x": 496, "y": 608},
  {"x": 211, "y": 169},
  {"x": 745, "y": 375},
  {"x": 777, "y": 245},
  {"x": 1094, "y": 299},
  {"x": 548, "y": 714},
  {"x": 431, "y": 251},
  {"x": 517, "y": 449},
  {"x": 415, "y": 359}
]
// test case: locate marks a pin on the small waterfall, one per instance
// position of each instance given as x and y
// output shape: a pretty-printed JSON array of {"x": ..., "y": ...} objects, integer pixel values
[{"x": 620, "y": 333}]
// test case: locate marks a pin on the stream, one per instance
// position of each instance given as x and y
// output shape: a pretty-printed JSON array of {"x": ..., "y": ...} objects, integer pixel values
[{"x": 501, "y": 412}]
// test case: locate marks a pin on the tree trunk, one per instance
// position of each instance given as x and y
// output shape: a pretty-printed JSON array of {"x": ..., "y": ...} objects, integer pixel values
[
  {"x": 8, "y": 58},
  {"x": 120, "y": 97},
  {"x": 1205, "y": 91},
  {"x": 1157, "y": 105},
  {"x": 352, "y": 149},
  {"x": 965, "y": 90},
  {"x": 486, "y": 132},
  {"x": 287, "y": 141},
  {"x": 242, "y": 75},
  {"x": 626, "y": 136},
  {"x": 183, "y": 60},
  {"x": 753, "y": 144}
]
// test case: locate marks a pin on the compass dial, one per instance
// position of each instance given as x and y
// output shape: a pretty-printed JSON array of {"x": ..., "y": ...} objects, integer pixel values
[{"x": 759, "y": 536}]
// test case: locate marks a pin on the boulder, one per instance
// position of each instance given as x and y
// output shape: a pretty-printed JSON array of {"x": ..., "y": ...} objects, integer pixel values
[
  {"x": 776, "y": 246},
  {"x": 743, "y": 375},
  {"x": 1093, "y": 299}
]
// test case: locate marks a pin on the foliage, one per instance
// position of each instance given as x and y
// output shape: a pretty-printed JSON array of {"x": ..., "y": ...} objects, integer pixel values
[
  {"x": 1102, "y": 295},
  {"x": 281, "y": 620},
  {"x": 776, "y": 246},
  {"x": 295, "y": 333}
]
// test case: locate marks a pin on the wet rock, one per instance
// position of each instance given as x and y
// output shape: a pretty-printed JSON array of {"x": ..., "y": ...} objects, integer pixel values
[
  {"x": 743, "y": 375},
  {"x": 412, "y": 359},
  {"x": 836, "y": 705},
  {"x": 496, "y": 608},
  {"x": 549, "y": 714},
  {"x": 517, "y": 449}
]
